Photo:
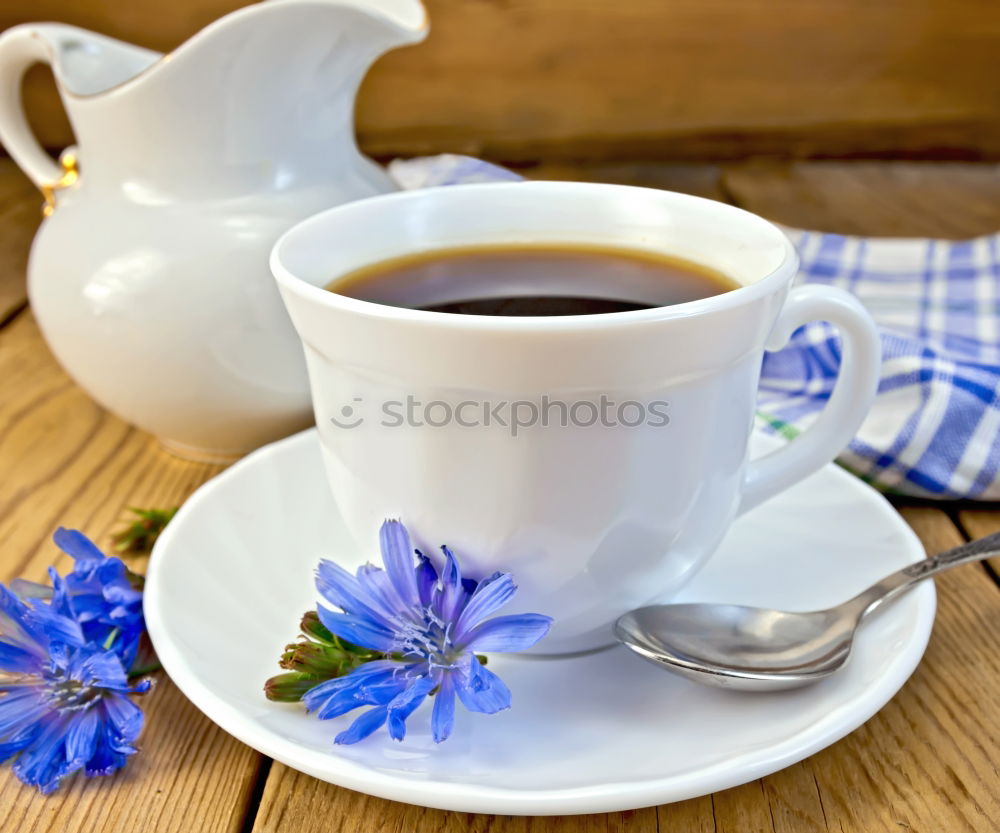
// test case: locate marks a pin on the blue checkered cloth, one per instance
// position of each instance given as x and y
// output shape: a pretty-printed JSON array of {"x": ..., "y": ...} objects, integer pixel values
[
  {"x": 934, "y": 431},
  {"x": 935, "y": 428}
]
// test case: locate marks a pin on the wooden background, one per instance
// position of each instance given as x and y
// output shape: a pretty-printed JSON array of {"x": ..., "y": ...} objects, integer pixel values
[
  {"x": 522, "y": 80},
  {"x": 559, "y": 86},
  {"x": 926, "y": 763}
]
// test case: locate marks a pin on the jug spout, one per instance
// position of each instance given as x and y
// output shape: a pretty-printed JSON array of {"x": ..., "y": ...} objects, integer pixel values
[
  {"x": 262, "y": 99},
  {"x": 405, "y": 21}
]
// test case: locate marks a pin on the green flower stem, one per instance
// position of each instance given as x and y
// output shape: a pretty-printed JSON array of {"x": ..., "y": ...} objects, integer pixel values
[
  {"x": 319, "y": 655},
  {"x": 138, "y": 537},
  {"x": 145, "y": 669}
]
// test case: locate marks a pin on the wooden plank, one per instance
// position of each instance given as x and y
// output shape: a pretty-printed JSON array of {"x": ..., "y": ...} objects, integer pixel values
[
  {"x": 574, "y": 79},
  {"x": 936, "y": 199},
  {"x": 873, "y": 198},
  {"x": 293, "y": 801},
  {"x": 696, "y": 815},
  {"x": 68, "y": 462},
  {"x": 702, "y": 180},
  {"x": 20, "y": 214}
]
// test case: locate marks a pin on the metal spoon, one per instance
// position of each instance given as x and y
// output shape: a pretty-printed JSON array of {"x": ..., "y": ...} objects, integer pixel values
[{"x": 756, "y": 649}]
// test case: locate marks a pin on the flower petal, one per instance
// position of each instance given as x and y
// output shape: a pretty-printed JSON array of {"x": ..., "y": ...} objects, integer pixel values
[
  {"x": 22, "y": 741},
  {"x": 104, "y": 668},
  {"x": 443, "y": 716},
  {"x": 375, "y": 668},
  {"x": 55, "y": 626},
  {"x": 365, "y": 686},
  {"x": 490, "y": 595},
  {"x": 81, "y": 739},
  {"x": 42, "y": 763},
  {"x": 21, "y": 710},
  {"x": 345, "y": 591},
  {"x": 124, "y": 722},
  {"x": 30, "y": 589},
  {"x": 347, "y": 700},
  {"x": 480, "y": 690},
  {"x": 397, "y": 555},
  {"x": 366, "y": 633},
  {"x": 363, "y": 726},
  {"x": 127, "y": 647},
  {"x": 405, "y": 703},
  {"x": 108, "y": 757},
  {"x": 507, "y": 633},
  {"x": 61, "y": 604},
  {"x": 427, "y": 577},
  {"x": 451, "y": 596},
  {"x": 376, "y": 583},
  {"x": 15, "y": 627},
  {"x": 17, "y": 660},
  {"x": 88, "y": 607},
  {"x": 141, "y": 686},
  {"x": 74, "y": 543}
]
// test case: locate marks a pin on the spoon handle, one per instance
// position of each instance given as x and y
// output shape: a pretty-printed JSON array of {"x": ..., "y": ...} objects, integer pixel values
[{"x": 896, "y": 583}]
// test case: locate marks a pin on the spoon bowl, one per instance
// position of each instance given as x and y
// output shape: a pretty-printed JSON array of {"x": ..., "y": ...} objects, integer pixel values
[
  {"x": 757, "y": 649},
  {"x": 747, "y": 648}
]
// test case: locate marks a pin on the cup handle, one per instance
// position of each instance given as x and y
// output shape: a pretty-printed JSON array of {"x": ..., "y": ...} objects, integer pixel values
[
  {"x": 852, "y": 397},
  {"x": 20, "y": 47}
]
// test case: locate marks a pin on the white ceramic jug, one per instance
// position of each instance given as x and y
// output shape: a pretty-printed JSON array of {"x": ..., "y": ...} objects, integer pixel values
[{"x": 149, "y": 275}]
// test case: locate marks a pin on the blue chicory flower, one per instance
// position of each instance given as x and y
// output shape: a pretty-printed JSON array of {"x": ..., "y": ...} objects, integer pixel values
[
  {"x": 105, "y": 601},
  {"x": 430, "y": 625},
  {"x": 63, "y": 699}
]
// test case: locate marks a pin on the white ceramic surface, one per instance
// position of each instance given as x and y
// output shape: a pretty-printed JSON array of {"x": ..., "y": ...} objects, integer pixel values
[
  {"x": 150, "y": 279},
  {"x": 232, "y": 574},
  {"x": 594, "y": 519}
]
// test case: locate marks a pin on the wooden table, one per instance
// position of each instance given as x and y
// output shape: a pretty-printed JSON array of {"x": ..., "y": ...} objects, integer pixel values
[{"x": 926, "y": 763}]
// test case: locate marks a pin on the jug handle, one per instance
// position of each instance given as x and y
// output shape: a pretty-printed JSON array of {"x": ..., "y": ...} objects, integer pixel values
[{"x": 20, "y": 48}]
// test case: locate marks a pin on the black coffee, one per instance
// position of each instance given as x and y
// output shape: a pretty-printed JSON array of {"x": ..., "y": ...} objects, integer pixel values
[{"x": 533, "y": 280}]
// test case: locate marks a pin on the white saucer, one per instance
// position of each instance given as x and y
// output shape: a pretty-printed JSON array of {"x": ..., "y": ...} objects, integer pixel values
[{"x": 232, "y": 574}]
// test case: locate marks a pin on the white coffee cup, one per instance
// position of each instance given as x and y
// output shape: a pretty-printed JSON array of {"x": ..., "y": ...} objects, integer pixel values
[{"x": 592, "y": 520}]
